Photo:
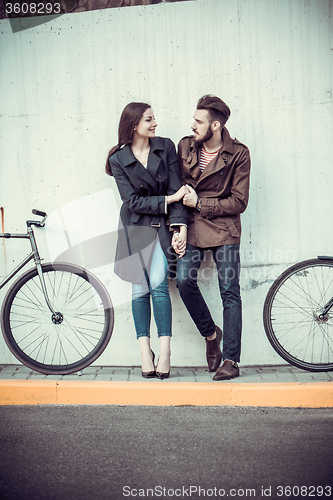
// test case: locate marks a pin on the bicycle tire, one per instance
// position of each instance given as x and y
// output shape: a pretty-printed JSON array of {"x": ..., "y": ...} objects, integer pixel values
[
  {"x": 30, "y": 330},
  {"x": 290, "y": 315}
]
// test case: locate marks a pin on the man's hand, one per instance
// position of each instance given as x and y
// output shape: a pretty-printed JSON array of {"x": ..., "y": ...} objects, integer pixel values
[
  {"x": 178, "y": 241},
  {"x": 190, "y": 199}
]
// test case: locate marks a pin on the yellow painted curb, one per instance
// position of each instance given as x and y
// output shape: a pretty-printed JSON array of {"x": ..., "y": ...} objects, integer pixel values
[
  {"x": 27, "y": 392},
  {"x": 156, "y": 393}
]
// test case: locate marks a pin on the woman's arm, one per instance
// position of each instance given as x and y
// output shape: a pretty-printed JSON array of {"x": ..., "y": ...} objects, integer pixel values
[
  {"x": 175, "y": 191},
  {"x": 179, "y": 195},
  {"x": 154, "y": 205}
]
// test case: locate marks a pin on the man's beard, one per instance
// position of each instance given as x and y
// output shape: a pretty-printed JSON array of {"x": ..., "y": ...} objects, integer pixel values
[{"x": 208, "y": 135}]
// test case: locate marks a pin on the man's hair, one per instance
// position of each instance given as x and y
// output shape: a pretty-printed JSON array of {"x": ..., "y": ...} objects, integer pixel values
[{"x": 217, "y": 109}]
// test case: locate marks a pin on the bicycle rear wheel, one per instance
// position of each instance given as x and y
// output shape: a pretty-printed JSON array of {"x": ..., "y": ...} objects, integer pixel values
[
  {"x": 291, "y": 315},
  {"x": 64, "y": 344}
]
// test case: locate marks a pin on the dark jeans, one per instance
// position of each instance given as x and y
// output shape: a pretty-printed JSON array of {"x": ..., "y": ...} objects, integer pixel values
[{"x": 227, "y": 262}]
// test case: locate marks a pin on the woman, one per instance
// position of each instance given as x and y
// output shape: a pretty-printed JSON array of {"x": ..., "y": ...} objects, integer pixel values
[{"x": 146, "y": 171}]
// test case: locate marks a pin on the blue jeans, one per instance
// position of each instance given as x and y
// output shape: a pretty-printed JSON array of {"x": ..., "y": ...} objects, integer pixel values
[
  {"x": 227, "y": 262},
  {"x": 156, "y": 288}
]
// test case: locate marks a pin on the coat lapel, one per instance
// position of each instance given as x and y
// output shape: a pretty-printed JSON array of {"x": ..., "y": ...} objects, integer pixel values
[
  {"x": 213, "y": 166},
  {"x": 218, "y": 162},
  {"x": 154, "y": 161},
  {"x": 193, "y": 162}
]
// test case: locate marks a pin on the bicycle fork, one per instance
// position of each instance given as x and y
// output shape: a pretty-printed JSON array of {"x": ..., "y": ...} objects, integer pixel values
[
  {"x": 57, "y": 317},
  {"x": 321, "y": 314}
]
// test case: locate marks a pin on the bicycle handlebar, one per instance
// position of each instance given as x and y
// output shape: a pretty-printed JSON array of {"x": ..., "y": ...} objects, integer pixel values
[
  {"x": 38, "y": 212},
  {"x": 40, "y": 223}
]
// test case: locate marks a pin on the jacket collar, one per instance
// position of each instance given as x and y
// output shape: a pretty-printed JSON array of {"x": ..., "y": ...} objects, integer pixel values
[
  {"x": 227, "y": 143},
  {"x": 128, "y": 157}
]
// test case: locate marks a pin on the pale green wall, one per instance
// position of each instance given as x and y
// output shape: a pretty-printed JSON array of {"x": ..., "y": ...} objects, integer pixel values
[{"x": 65, "y": 83}]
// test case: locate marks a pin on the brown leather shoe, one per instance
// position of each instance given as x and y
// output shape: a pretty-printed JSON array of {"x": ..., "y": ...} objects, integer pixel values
[
  {"x": 213, "y": 351},
  {"x": 227, "y": 371}
]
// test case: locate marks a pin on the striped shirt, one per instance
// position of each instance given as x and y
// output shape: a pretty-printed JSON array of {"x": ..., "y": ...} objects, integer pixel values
[{"x": 205, "y": 158}]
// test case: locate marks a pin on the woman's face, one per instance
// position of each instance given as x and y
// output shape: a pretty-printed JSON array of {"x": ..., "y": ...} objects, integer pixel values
[{"x": 147, "y": 125}]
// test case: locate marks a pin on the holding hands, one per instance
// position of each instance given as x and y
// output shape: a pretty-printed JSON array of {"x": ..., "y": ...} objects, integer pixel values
[
  {"x": 190, "y": 198},
  {"x": 178, "y": 241}
]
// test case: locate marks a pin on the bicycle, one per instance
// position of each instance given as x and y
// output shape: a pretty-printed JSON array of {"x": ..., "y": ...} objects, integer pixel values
[
  {"x": 298, "y": 314},
  {"x": 56, "y": 318}
]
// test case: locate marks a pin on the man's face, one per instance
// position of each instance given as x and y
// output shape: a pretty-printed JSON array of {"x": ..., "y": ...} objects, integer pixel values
[{"x": 201, "y": 126}]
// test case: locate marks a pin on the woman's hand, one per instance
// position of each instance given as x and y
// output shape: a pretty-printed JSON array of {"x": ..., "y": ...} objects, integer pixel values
[
  {"x": 179, "y": 241},
  {"x": 182, "y": 191}
]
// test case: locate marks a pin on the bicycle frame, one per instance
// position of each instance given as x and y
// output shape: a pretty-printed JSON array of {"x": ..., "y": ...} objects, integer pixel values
[{"x": 34, "y": 255}]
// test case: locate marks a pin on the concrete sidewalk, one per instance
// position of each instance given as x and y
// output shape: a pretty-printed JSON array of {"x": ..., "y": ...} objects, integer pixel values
[{"x": 279, "y": 386}]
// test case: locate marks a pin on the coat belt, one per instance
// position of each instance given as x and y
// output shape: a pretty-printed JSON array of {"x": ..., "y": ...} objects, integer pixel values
[
  {"x": 232, "y": 227},
  {"x": 155, "y": 221}
]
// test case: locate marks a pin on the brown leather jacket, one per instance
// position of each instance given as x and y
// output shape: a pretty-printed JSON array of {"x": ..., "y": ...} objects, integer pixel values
[{"x": 223, "y": 188}]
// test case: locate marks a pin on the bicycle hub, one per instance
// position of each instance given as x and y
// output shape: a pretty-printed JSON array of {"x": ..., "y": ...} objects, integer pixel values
[
  {"x": 57, "y": 318},
  {"x": 320, "y": 317}
]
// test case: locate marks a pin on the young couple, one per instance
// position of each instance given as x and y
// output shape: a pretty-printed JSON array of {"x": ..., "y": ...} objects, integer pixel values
[{"x": 174, "y": 210}]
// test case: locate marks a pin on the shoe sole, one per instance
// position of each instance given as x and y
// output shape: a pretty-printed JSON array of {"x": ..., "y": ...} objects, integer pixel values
[{"x": 227, "y": 378}]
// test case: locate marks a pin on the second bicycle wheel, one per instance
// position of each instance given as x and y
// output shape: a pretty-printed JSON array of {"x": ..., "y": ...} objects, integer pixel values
[
  {"x": 63, "y": 344},
  {"x": 292, "y": 315}
]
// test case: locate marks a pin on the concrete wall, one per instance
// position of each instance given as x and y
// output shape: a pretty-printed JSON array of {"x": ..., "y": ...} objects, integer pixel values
[{"x": 65, "y": 83}]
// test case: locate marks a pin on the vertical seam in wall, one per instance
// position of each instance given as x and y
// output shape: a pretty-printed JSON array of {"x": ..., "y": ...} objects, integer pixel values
[{"x": 2, "y": 211}]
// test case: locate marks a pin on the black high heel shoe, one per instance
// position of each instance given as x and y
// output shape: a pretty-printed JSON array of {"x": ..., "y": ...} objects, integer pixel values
[
  {"x": 151, "y": 374},
  {"x": 162, "y": 375}
]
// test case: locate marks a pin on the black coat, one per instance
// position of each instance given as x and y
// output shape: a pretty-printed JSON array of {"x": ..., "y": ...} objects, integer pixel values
[{"x": 142, "y": 215}]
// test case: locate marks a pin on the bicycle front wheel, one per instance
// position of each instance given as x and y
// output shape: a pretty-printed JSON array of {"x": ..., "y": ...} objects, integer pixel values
[
  {"x": 68, "y": 341},
  {"x": 293, "y": 322}
]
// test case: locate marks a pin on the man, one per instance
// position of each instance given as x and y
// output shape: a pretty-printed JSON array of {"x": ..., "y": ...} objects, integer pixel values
[{"x": 216, "y": 170}]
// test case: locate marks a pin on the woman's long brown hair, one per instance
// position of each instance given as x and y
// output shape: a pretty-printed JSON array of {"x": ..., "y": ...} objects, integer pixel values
[{"x": 129, "y": 119}]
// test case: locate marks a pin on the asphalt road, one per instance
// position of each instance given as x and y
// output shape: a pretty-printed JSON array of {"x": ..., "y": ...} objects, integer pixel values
[{"x": 119, "y": 452}]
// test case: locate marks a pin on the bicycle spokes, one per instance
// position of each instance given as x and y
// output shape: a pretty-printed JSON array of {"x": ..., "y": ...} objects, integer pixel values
[
  {"x": 68, "y": 338},
  {"x": 298, "y": 315}
]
